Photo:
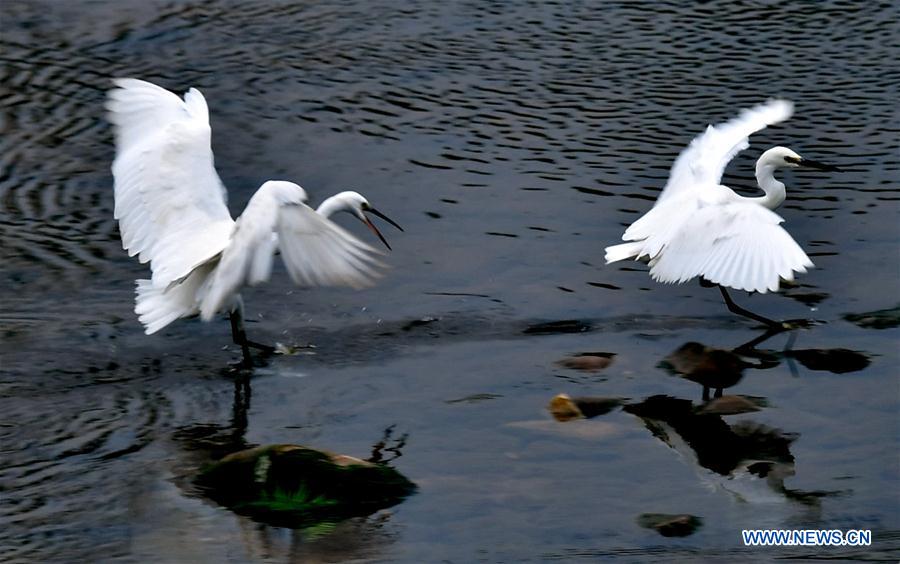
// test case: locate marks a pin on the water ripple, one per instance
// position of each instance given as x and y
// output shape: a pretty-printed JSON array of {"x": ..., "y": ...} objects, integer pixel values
[{"x": 515, "y": 123}]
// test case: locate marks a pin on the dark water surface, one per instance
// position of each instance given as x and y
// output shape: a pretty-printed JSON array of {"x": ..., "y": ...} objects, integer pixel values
[{"x": 512, "y": 140}]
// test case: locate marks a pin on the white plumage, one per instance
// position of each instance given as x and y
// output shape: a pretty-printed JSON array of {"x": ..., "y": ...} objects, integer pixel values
[
  {"x": 698, "y": 227},
  {"x": 171, "y": 208}
]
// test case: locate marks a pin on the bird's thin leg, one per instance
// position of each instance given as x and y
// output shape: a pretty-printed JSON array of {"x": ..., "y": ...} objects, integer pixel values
[
  {"x": 752, "y": 343},
  {"x": 236, "y": 316},
  {"x": 789, "y": 355},
  {"x": 734, "y": 308},
  {"x": 239, "y": 335},
  {"x": 240, "y": 409}
]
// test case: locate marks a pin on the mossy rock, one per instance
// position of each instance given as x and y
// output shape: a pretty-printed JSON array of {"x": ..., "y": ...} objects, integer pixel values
[{"x": 296, "y": 486}]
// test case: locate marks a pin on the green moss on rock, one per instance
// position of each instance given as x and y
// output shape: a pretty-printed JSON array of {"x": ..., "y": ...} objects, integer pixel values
[{"x": 296, "y": 486}]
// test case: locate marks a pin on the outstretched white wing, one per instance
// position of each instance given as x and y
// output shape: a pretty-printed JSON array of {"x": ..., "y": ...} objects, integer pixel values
[
  {"x": 318, "y": 252},
  {"x": 740, "y": 245},
  {"x": 170, "y": 202},
  {"x": 705, "y": 159},
  {"x": 315, "y": 250}
]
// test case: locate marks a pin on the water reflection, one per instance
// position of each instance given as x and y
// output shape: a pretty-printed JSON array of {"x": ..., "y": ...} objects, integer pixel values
[
  {"x": 711, "y": 368},
  {"x": 741, "y": 457},
  {"x": 212, "y": 441},
  {"x": 505, "y": 84},
  {"x": 750, "y": 460},
  {"x": 338, "y": 534},
  {"x": 718, "y": 369}
]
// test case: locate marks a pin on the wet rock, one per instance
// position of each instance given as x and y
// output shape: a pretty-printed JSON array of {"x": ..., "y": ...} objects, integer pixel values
[
  {"x": 474, "y": 398},
  {"x": 670, "y": 525},
  {"x": 732, "y": 405},
  {"x": 418, "y": 323},
  {"x": 565, "y": 408},
  {"x": 587, "y": 362},
  {"x": 880, "y": 319},
  {"x": 296, "y": 486},
  {"x": 558, "y": 327},
  {"x": 838, "y": 361}
]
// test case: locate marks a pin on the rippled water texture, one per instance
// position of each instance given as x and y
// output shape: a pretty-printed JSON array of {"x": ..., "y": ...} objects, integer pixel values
[{"x": 512, "y": 140}]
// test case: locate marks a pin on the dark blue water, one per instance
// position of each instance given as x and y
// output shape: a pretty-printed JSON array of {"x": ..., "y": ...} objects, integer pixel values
[{"x": 513, "y": 141}]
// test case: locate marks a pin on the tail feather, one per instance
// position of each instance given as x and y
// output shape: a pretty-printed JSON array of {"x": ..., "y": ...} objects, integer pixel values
[
  {"x": 157, "y": 307},
  {"x": 624, "y": 251}
]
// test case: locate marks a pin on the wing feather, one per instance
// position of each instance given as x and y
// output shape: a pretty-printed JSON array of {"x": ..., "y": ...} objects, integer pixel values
[
  {"x": 740, "y": 245},
  {"x": 704, "y": 160},
  {"x": 315, "y": 250},
  {"x": 170, "y": 202},
  {"x": 318, "y": 252}
]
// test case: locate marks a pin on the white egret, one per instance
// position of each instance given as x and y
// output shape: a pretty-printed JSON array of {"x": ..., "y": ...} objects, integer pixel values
[
  {"x": 170, "y": 204},
  {"x": 698, "y": 227}
]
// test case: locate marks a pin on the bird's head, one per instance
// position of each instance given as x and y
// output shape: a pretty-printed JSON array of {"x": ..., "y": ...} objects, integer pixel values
[
  {"x": 782, "y": 157},
  {"x": 357, "y": 205}
]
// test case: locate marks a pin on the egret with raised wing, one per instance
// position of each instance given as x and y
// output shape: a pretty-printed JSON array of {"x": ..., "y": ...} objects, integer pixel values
[
  {"x": 698, "y": 227},
  {"x": 171, "y": 207}
]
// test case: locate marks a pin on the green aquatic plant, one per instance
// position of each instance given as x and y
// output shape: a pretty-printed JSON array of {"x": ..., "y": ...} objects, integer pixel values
[
  {"x": 281, "y": 499},
  {"x": 296, "y": 486}
]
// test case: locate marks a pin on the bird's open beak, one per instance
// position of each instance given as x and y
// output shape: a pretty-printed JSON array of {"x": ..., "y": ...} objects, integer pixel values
[
  {"x": 375, "y": 229},
  {"x": 818, "y": 166}
]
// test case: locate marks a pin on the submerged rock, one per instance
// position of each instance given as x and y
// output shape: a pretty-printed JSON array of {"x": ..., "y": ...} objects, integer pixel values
[
  {"x": 880, "y": 319},
  {"x": 733, "y": 405},
  {"x": 670, "y": 525},
  {"x": 838, "y": 361},
  {"x": 588, "y": 362},
  {"x": 558, "y": 327},
  {"x": 296, "y": 486}
]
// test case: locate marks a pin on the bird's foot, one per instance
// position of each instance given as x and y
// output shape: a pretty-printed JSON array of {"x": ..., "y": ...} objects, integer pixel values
[
  {"x": 281, "y": 348},
  {"x": 791, "y": 324},
  {"x": 267, "y": 349},
  {"x": 773, "y": 328}
]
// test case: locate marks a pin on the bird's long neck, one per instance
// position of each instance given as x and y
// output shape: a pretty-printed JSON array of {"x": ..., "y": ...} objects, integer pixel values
[
  {"x": 775, "y": 192},
  {"x": 331, "y": 206}
]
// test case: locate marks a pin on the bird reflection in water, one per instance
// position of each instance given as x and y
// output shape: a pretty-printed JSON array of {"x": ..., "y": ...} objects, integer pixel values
[
  {"x": 744, "y": 453},
  {"x": 352, "y": 537},
  {"x": 740, "y": 456},
  {"x": 711, "y": 368},
  {"x": 718, "y": 369}
]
